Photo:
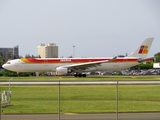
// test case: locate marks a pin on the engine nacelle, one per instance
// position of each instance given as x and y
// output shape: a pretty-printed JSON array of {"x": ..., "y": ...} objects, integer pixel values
[{"x": 61, "y": 71}]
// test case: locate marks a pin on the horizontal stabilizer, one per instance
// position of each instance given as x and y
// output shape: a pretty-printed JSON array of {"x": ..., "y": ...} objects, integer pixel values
[{"x": 146, "y": 59}]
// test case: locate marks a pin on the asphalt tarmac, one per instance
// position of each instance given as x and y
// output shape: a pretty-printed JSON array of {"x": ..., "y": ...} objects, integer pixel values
[
  {"x": 82, "y": 83},
  {"x": 103, "y": 116}
]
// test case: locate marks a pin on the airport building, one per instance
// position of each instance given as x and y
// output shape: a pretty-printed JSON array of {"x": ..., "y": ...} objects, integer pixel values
[
  {"x": 11, "y": 53},
  {"x": 156, "y": 65},
  {"x": 49, "y": 51}
]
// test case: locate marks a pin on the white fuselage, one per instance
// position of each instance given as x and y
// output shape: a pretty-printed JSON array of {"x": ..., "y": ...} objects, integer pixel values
[{"x": 19, "y": 66}]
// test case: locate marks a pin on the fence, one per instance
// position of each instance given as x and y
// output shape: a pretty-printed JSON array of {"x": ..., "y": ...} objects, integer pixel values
[{"x": 98, "y": 99}]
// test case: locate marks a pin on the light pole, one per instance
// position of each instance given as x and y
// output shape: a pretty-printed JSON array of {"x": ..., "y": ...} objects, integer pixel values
[{"x": 73, "y": 50}]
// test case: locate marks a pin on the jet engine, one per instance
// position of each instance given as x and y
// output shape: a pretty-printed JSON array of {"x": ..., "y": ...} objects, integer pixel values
[{"x": 62, "y": 71}]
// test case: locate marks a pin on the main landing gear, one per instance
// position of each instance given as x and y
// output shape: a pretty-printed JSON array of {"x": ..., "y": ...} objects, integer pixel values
[{"x": 79, "y": 75}]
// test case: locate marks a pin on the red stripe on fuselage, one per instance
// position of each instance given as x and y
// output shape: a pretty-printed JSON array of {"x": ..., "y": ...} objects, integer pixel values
[{"x": 76, "y": 60}]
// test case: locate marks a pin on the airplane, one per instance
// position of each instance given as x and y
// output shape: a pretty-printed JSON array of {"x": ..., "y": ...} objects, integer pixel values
[{"x": 79, "y": 66}]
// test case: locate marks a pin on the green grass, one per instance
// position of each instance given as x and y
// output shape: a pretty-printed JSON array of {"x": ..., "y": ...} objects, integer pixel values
[
  {"x": 83, "y": 99},
  {"x": 93, "y": 77}
]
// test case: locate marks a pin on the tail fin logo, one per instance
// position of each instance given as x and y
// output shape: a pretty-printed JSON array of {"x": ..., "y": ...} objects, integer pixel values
[{"x": 143, "y": 49}]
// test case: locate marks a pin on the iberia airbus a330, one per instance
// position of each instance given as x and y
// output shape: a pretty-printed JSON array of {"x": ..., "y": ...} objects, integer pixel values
[{"x": 63, "y": 66}]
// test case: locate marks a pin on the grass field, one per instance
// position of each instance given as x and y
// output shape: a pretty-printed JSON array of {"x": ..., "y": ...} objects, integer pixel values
[
  {"x": 83, "y": 99},
  {"x": 93, "y": 77}
]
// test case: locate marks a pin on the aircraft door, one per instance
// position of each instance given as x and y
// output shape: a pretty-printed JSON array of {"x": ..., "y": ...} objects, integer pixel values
[
  {"x": 45, "y": 62},
  {"x": 125, "y": 62},
  {"x": 17, "y": 63},
  {"x": 46, "y": 66}
]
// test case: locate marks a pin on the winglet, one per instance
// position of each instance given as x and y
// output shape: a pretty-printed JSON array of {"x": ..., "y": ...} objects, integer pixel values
[
  {"x": 113, "y": 59},
  {"x": 143, "y": 49}
]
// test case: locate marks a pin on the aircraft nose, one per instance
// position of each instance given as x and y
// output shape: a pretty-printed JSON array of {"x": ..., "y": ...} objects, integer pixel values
[
  {"x": 4, "y": 65},
  {"x": 7, "y": 67}
]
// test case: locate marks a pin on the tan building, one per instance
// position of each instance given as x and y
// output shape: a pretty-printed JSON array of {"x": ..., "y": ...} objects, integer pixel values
[{"x": 49, "y": 51}]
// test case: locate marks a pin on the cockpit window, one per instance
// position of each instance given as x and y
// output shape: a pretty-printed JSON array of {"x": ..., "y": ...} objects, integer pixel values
[{"x": 8, "y": 63}]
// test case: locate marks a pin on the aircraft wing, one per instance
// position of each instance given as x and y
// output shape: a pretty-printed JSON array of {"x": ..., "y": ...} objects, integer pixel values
[
  {"x": 84, "y": 66},
  {"x": 146, "y": 59}
]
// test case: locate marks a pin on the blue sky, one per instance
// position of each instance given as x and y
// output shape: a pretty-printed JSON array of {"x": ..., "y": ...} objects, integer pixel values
[{"x": 97, "y": 28}]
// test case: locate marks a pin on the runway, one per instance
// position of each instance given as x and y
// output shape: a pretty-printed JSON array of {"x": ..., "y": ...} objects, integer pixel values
[
  {"x": 103, "y": 116},
  {"x": 81, "y": 83}
]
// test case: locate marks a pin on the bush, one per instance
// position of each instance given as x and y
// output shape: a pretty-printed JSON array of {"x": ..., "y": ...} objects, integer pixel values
[{"x": 1, "y": 73}]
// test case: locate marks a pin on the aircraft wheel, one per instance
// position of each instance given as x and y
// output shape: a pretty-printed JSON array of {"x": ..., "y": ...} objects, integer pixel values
[
  {"x": 75, "y": 75},
  {"x": 79, "y": 75},
  {"x": 84, "y": 75}
]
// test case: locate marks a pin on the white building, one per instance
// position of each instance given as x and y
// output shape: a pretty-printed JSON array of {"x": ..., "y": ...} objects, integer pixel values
[
  {"x": 156, "y": 65},
  {"x": 49, "y": 51}
]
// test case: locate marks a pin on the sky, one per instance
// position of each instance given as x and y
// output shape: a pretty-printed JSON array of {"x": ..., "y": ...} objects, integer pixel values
[{"x": 97, "y": 28}]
